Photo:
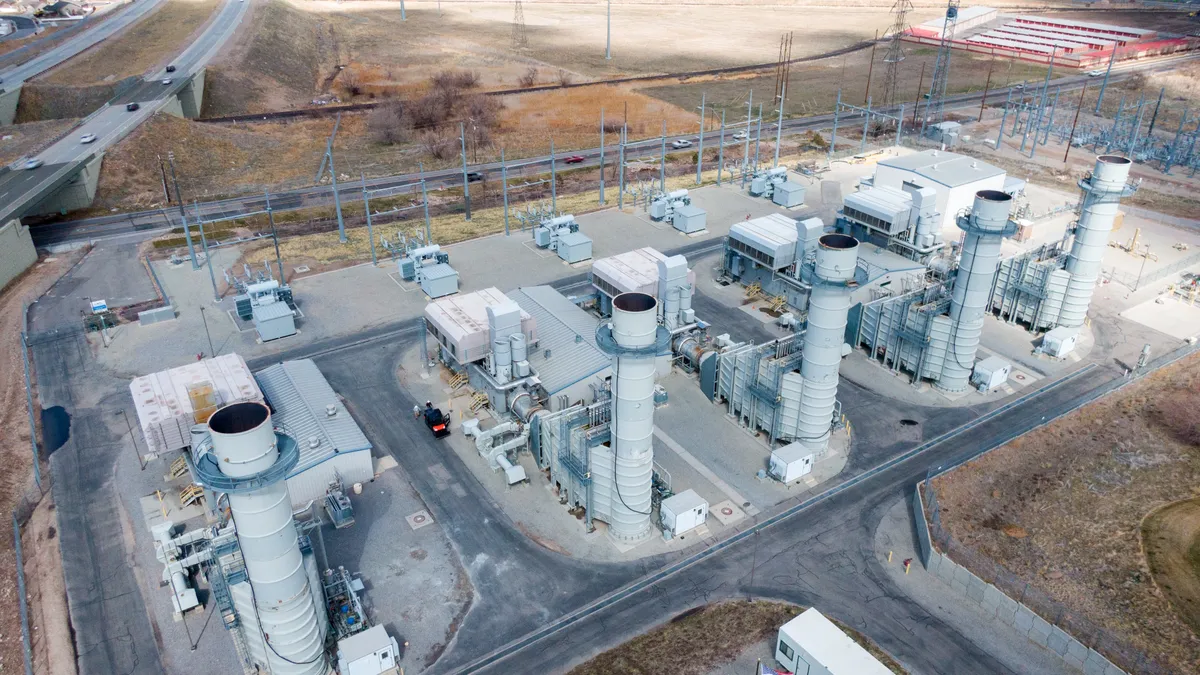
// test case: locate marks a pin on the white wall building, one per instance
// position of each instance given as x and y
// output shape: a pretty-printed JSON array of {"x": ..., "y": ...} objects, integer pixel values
[{"x": 956, "y": 178}]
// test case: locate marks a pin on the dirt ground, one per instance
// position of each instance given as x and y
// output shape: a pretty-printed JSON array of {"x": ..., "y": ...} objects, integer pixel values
[
  {"x": 53, "y": 646},
  {"x": 709, "y": 636},
  {"x": 7, "y": 46},
  {"x": 1172, "y": 540},
  {"x": 20, "y": 139},
  {"x": 16, "y": 480},
  {"x": 139, "y": 48},
  {"x": 1063, "y": 507}
]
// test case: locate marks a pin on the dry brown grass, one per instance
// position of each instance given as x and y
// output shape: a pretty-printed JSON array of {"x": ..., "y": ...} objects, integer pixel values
[
  {"x": 27, "y": 137},
  {"x": 137, "y": 49},
  {"x": 1080, "y": 489},
  {"x": 1172, "y": 540}
]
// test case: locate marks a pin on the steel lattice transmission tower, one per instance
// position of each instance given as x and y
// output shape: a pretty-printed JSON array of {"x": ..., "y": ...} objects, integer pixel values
[
  {"x": 520, "y": 40},
  {"x": 895, "y": 52},
  {"x": 935, "y": 107}
]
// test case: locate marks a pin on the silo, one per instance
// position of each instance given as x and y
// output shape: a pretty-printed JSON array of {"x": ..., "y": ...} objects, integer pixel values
[
  {"x": 986, "y": 226},
  {"x": 1102, "y": 193},
  {"x": 249, "y": 461},
  {"x": 832, "y": 273},
  {"x": 634, "y": 339}
]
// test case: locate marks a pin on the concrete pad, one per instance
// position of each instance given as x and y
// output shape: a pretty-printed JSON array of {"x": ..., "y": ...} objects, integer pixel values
[
  {"x": 419, "y": 519},
  {"x": 1173, "y": 317},
  {"x": 726, "y": 512}
]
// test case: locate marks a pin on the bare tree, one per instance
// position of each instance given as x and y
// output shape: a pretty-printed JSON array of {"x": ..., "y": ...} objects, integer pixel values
[
  {"x": 564, "y": 78},
  {"x": 351, "y": 82},
  {"x": 438, "y": 146},
  {"x": 529, "y": 78},
  {"x": 388, "y": 124}
]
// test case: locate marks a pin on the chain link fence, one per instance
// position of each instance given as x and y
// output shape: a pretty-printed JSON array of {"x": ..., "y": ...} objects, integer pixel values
[{"x": 1135, "y": 281}]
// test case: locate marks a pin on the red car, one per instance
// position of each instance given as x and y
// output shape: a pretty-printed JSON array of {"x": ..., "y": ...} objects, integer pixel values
[{"x": 573, "y": 159}]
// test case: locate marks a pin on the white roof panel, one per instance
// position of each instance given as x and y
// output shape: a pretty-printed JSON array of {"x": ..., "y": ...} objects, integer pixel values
[
  {"x": 826, "y": 643},
  {"x": 363, "y": 644},
  {"x": 458, "y": 316},
  {"x": 631, "y": 271},
  {"x": 947, "y": 168},
  {"x": 567, "y": 332}
]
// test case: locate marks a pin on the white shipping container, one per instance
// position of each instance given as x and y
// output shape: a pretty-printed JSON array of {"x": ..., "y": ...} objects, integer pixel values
[{"x": 791, "y": 462}]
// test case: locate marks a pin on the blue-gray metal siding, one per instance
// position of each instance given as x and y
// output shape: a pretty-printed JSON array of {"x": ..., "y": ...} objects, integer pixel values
[{"x": 567, "y": 331}]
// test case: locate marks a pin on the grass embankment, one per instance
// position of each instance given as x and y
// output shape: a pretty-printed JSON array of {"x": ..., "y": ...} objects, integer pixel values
[
  {"x": 138, "y": 49},
  {"x": 1063, "y": 506},
  {"x": 697, "y": 641},
  {"x": 1172, "y": 539}
]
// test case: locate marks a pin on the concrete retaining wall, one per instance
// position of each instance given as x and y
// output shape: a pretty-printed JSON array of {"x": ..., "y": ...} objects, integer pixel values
[
  {"x": 1007, "y": 611},
  {"x": 17, "y": 253}
]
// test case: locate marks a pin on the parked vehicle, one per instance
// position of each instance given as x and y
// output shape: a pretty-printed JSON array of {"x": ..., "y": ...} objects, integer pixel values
[
  {"x": 573, "y": 159},
  {"x": 436, "y": 421}
]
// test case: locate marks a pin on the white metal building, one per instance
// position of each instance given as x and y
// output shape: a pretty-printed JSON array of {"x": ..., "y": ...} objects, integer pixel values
[
  {"x": 956, "y": 178},
  {"x": 170, "y": 402},
  {"x": 459, "y": 323},
  {"x": 810, "y": 644},
  {"x": 331, "y": 443},
  {"x": 371, "y": 652},
  {"x": 566, "y": 359},
  {"x": 968, "y": 18},
  {"x": 634, "y": 271}
]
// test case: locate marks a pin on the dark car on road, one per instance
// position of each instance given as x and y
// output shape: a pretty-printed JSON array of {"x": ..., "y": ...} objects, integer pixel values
[
  {"x": 474, "y": 176},
  {"x": 132, "y": 106}
]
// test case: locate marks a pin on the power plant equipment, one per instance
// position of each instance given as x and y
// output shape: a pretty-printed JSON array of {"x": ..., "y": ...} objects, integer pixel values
[
  {"x": 682, "y": 513},
  {"x": 561, "y": 234},
  {"x": 426, "y": 264},
  {"x": 677, "y": 207},
  {"x": 904, "y": 221},
  {"x": 774, "y": 184},
  {"x": 265, "y": 301}
]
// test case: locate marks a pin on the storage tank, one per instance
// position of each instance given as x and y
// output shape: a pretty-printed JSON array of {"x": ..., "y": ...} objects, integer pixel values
[
  {"x": 1102, "y": 193},
  {"x": 986, "y": 226}
]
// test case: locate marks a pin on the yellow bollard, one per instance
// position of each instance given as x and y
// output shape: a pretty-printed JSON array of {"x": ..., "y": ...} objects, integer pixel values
[
  {"x": 907, "y": 564},
  {"x": 889, "y": 556}
]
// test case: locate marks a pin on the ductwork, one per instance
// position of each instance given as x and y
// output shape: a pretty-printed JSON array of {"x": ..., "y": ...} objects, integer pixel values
[
  {"x": 254, "y": 460},
  {"x": 832, "y": 275},
  {"x": 497, "y": 455},
  {"x": 986, "y": 226},
  {"x": 674, "y": 290},
  {"x": 1102, "y": 193}
]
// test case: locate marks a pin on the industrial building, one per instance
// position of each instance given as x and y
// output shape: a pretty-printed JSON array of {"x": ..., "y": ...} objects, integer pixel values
[
  {"x": 1051, "y": 286},
  {"x": 904, "y": 221},
  {"x": 635, "y": 271},
  {"x": 954, "y": 178},
  {"x": 764, "y": 251}
]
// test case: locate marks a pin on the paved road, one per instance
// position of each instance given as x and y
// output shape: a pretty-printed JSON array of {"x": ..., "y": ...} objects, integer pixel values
[
  {"x": 20, "y": 189},
  {"x": 111, "y": 25},
  {"x": 321, "y": 195}
]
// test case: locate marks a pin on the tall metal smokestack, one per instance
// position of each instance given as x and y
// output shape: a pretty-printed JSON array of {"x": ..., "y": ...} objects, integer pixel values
[
  {"x": 252, "y": 462},
  {"x": 832, "y": 274},
  {"x": 986, "y": 226},
  {"x": 1102, "y": 193},
  {"x": 634, "y": 339}
]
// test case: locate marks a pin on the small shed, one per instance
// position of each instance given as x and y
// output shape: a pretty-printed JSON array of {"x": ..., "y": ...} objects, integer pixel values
[
  {"x": 791, "y": 462},
  {"x": 438, "y": 280},
  {"x": 332, "y": 445},
  {"x": 574, "y": 247},
  {"x": 990, "y": 373},
  {"x": 1059, "y": 342},
  {"x": 274, "y": 320},
  {"x": 683, "y": 512},
  {"x": 811, "y": 644},
  {"x": 371, "y": 652},
  {"x": 788, "y": 194},
  {"x": 690, "y": 218}
]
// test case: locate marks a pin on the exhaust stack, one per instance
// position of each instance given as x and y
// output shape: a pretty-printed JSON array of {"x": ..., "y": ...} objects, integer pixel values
[
  {"x": 986, "y": 226},
  {"x": 252, "y": 462},
  {"x": 1102, "y": 193},
  {"x": 833, "y": 274}
]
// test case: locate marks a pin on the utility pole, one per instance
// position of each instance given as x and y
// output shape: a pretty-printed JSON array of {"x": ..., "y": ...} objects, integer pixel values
[
  {"x": 758, "y": 136},
  {"x": 608, "y": 40},
  {"x": 504, "y": 188},
  {"x": 917, "y": 103},
  {"x": 403, "y": 17},
  {"x": 1077, "y": 109},
  {"x": 327, "y": 160},
  {"x": 553, "y": 181},
  {"x": 1004, "y": 119},
  {"x": 621, "y": 169},
  {"x": 187, "y": 230},
  {"x": 987, "y": 85},
  {"x": 746, "y": 144},
  {"x": 662, "y": 162},
  {"x": 462, "y": 139},
  {"x": 424, "y": 201},
  {"x": 275, "y": 236},
  {"x": 367, "y": 209},
  {"x": 602, "y": 157},
  {"x": 871, "y": 67},
  {"x": 779, "y": 126},
  {"x": 721, "y": 152},
  {"x": 1104, "y": 84},
  {"x": 700, "y": 152},
  {"x": 1154, "y": 117},
  {"x": 207, "y": 257}
]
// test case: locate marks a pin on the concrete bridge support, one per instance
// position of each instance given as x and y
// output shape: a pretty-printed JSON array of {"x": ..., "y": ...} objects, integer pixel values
[
  {"x": 189, "y": 100},
  {"x": 77, "y": 193},
  {"x": 9, "y": 98}
]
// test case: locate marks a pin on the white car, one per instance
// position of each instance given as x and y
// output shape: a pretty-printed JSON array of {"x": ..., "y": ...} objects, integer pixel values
[
  {"x": 741, "y": 135},
  {"x": 87, "y": 138},
  {"x": 166, "y": 81},
  {"x": 1095, "y": 73},
  {"x": 681, "y": 143},
  {"x": 32, "y": 163}
]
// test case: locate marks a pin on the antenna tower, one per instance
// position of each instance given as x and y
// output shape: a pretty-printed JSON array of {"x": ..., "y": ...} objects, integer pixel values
[
  {"x": 520, "y": 40},
  {"x": 935, "y": 107},
  {"x": 895, "y": 52}
]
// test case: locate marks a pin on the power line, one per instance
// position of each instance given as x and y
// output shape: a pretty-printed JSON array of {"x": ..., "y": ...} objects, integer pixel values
[
  {"x": 895, "y": 52},
  {"x": 520, "y": 39}
]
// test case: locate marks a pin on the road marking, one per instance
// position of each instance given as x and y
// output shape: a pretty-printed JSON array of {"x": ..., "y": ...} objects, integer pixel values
[{"x": 705, "y": 471}]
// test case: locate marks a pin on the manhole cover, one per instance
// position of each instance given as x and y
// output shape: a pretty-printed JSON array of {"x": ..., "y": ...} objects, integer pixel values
[
  {"x": 727, "y": 511},
  {"x": 1019, "y": 376},
  {"x": 419, "y": 519}
]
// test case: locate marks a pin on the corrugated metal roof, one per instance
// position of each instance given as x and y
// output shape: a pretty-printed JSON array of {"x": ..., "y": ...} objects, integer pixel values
[
  {"x": 274, "y": 310},
  {"x": 299, "y": 394},
  {"x": 947, "y": 168},
  {"x": 567, "y": 331},
  {"x": 439, "y": 271}
]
